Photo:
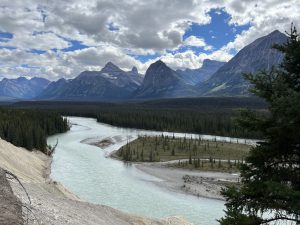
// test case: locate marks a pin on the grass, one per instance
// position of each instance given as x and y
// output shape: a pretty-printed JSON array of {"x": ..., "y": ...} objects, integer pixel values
[
  {"x": 193, "y": 153},
  {"x": 207, "y": 165}
]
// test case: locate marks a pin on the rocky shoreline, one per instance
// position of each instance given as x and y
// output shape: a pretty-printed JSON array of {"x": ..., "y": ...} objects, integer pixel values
[{"x": 205, "y": 184}]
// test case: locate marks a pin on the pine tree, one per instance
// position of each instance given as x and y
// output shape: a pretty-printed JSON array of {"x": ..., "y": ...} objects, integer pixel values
[
  {"x": 270, "y": 178},
  {"x": 173, "y": 151},
  {"x": 190, "y": 158}
]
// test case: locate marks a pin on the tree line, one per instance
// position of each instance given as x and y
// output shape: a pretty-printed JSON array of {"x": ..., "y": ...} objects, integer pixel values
[
  {"x": 30, "y": 128},
  {"x": 214, "y": 122}
]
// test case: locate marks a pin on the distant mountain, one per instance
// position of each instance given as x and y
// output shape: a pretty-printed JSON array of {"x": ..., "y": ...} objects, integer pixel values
[
  {"x": 136, "y": 76},
  {"x": 129, "y": 80},
  {"x": 195, "y": 76},
  {"x": 22, "y": 88},
  {"x": 259, "y": 55},
  {"x": 111, "y": 83},
  {"x": 53, "y": 90},
  {"x": 162, "y": 82}
]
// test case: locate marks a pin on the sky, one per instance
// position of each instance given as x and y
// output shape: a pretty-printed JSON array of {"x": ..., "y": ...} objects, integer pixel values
[{"x": 61, "y": 38}]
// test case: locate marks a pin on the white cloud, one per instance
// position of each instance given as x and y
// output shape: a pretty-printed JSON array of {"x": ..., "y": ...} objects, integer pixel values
[
  {"x": 197, "y": 42},
  {"x": 40, "y": 41},
  {"x": 264, "y": 17},
  {"x": 191, "y": 60},
  {"x": 53, "y": 65},
  {"x": 97, "y": 57},
  {"x": 143, "y": 27}
]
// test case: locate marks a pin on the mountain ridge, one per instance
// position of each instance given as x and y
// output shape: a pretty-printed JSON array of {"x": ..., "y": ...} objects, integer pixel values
[
  {"x": 258, "y": 55},
  {"x": 110, "y": 83},
  {"x": 22, "y": 88}
]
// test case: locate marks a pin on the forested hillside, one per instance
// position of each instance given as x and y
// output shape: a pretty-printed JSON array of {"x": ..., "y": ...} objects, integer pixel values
[
  {"x": 30, "y": 128},
  {"x": 220, "y": 123}
]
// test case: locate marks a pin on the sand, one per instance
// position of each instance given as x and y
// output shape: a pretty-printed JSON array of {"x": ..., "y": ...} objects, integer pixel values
[{"x": 199, "y": 183}]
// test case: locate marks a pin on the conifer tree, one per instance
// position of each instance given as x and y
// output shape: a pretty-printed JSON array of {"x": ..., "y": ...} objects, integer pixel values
[{"x": 271, "y": 175}]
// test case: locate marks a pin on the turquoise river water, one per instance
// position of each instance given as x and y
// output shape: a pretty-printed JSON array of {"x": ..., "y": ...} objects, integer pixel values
[{"x": 88, "y": 172}]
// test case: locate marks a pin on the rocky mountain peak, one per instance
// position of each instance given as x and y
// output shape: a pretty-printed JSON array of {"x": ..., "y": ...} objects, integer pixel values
[
  {"x": 158, "y": 63},
  {"x": 134, "y": 70},
  {"x": 110, "y": 67}
]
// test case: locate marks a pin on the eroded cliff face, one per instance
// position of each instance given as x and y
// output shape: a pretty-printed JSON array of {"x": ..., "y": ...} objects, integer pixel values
[
  {"x": 10, "y": 205},
  {"x": 51, "y": 203}
]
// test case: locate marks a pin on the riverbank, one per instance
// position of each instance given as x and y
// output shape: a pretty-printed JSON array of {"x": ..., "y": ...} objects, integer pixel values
[
  {"x": 51, "y": 203},
  {"x": 206, "y": 184}
]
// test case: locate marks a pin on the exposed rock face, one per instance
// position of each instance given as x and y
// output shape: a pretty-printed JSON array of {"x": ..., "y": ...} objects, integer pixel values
[
  {"x": 259, "y": 55},
  {"x": 10, "y": 205},
  {"x": 162, "y": 82},
  {"x": 195, "y": 76}
]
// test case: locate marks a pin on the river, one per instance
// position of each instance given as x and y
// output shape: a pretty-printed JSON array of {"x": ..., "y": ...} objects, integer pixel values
[{"x": 86, "y": 171}]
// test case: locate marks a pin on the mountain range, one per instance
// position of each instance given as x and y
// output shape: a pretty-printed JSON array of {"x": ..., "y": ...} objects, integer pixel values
[
  {"x": 22, "y": 88},
  {"x": 111, "y": 83}
]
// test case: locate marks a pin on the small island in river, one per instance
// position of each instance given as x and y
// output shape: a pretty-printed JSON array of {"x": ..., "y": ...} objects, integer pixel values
[{"x": 191, "y": 165}]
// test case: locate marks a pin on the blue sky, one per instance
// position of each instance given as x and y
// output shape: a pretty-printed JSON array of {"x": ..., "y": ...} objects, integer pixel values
[
  {"x": 41, "y": 39},
  {"x": 218, "y": 33}
]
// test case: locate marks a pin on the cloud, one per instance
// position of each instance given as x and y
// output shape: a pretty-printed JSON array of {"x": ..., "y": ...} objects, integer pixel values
[
  {"x": 94, "y": 57},
  {"x": 264, "y": 17},
  {"x": 197, "y": 42},
  {"x": 140, "y": 27},
  {"x": 54, "y": 65},
  {"x": 39, "y": 41},
  {"x": 190, "y": 59}
]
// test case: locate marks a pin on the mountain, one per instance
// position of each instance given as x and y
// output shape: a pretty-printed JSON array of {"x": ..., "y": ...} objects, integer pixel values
[
  {"x": 136, "y": 76},
  {"x": 53, "y": 89},
  {"x": 22, "y": 88},
  {"x": 195, "y": 76},
  {"x": 162, "y": 82},
  {"x": 111, "y": 83},
  {"x": 259, "y": 55},
  {"x": 129, "y": 80}
]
